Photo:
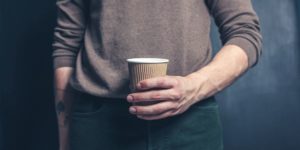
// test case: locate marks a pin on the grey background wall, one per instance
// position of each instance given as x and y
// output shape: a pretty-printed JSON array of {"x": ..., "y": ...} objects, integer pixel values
[
  {"x": 259, "y": 112},
  {"x": 27, "y": 110}
]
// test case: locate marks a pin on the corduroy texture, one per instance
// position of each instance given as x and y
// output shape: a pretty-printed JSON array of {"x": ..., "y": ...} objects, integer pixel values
[
  {"x": 139, "y": 72},
  {"x": 105, "y": 124}
]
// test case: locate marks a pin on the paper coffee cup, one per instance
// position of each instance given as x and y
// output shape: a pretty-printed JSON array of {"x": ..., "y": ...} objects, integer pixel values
[{"x": 144, "y": 68}]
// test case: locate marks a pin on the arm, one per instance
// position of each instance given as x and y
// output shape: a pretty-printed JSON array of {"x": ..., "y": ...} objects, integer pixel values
[
  {"x": 240, "y": 33},
  {"x": 63, "y": 104},
  {"x": 238, "y": 25},
  {"x": 68, "y": 36},
  {"x": 69, "y": 32},
  {"x": 239, "y": 29},
  {"x": 214, "y": 77}
]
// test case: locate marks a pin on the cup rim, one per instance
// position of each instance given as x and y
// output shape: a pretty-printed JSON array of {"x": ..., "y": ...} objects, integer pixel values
[{"x": 147, "y": 60}]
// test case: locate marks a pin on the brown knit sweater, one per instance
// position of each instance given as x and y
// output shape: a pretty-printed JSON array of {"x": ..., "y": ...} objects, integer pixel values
[{"x": 97, "y": 36}]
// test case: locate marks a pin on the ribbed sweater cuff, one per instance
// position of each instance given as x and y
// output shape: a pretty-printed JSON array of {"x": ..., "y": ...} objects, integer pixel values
[
  {"x": 64, "y": 61},
  {"x": 248, "y": 47}
]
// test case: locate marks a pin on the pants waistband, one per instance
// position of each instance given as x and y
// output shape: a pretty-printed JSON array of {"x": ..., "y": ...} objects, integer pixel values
[{"x": 91, "y": 97}]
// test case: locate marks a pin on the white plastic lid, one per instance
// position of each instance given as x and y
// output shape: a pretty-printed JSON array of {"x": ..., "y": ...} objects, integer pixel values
[{"x": 147, "y": 60}]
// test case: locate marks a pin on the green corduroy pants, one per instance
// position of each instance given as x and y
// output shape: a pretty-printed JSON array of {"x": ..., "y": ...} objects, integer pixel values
[{"x": 106, "y": 124}]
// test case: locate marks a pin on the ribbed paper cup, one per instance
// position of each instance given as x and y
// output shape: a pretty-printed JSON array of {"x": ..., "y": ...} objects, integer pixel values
[{"x": 144, "y": 68}]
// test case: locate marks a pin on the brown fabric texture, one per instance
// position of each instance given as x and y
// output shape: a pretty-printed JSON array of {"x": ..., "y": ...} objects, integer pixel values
[{"x": 97, "y": 36}]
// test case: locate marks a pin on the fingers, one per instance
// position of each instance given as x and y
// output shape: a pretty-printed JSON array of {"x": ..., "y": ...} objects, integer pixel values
[
  {"x": 165, "y": 90},
  {"x": 153, "y": 109},
  {"x": 154, "y": 95},
  {"x": 157, "y": 82}
]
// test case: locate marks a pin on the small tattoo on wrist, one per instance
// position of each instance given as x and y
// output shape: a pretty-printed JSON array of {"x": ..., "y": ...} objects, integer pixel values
[{"x": 60, "y": 107}]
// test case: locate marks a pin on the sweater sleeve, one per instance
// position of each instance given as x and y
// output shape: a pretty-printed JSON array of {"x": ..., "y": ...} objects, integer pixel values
[
  {"x": 238, "y": 25},
  {"x": 68, "y": 33}
]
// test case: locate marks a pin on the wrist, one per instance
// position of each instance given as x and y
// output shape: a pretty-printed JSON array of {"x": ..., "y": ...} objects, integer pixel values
[
  {"x": 68, "y": 89},
  {"x": 197, "y": 81},
  {"x": 199, "y": 77},
  {"x": 205, "y": 83}
]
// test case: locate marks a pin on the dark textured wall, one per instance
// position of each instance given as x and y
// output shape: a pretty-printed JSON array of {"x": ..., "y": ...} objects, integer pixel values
[
  {"x": 27, "y": 112},
  {"x": 259, "y": 112}
]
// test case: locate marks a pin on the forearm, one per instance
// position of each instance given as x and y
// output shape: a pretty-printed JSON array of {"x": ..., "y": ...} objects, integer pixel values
[
  {"x": 63, "y": 97},
  {"x": 62, "y": 94},
  {"x": 229, "y": 63}
]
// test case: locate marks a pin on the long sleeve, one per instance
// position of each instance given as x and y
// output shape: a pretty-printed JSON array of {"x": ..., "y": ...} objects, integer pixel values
[
  {"x": 69, "y": 32},
  {"x": 238, "y": 25}
]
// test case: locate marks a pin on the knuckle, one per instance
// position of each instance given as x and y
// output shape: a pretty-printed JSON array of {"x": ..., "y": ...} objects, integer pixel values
[
  {"x": 157, "y": 109},
  {"x": 173, "y": 106},
  {"x": 176, "y": 82},
  {"x": 151, "y": 110},
  {"x": 161, "y": 81},
  {"x": 140, "y": 111},
  {"x": 177, "y": 106},
  {"x": 147, "y": 112},
  {"x": 156, "y": 95},
  {"x": 177, "y": 94}
]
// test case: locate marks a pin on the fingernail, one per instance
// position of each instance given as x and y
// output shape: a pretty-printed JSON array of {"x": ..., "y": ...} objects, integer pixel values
[
  {"x": 129, "y": 98},
  {"x": 132, "y": 110}
]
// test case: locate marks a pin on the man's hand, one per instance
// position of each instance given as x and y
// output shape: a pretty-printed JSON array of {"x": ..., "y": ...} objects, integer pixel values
[{"x": 173, "y": 94}]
